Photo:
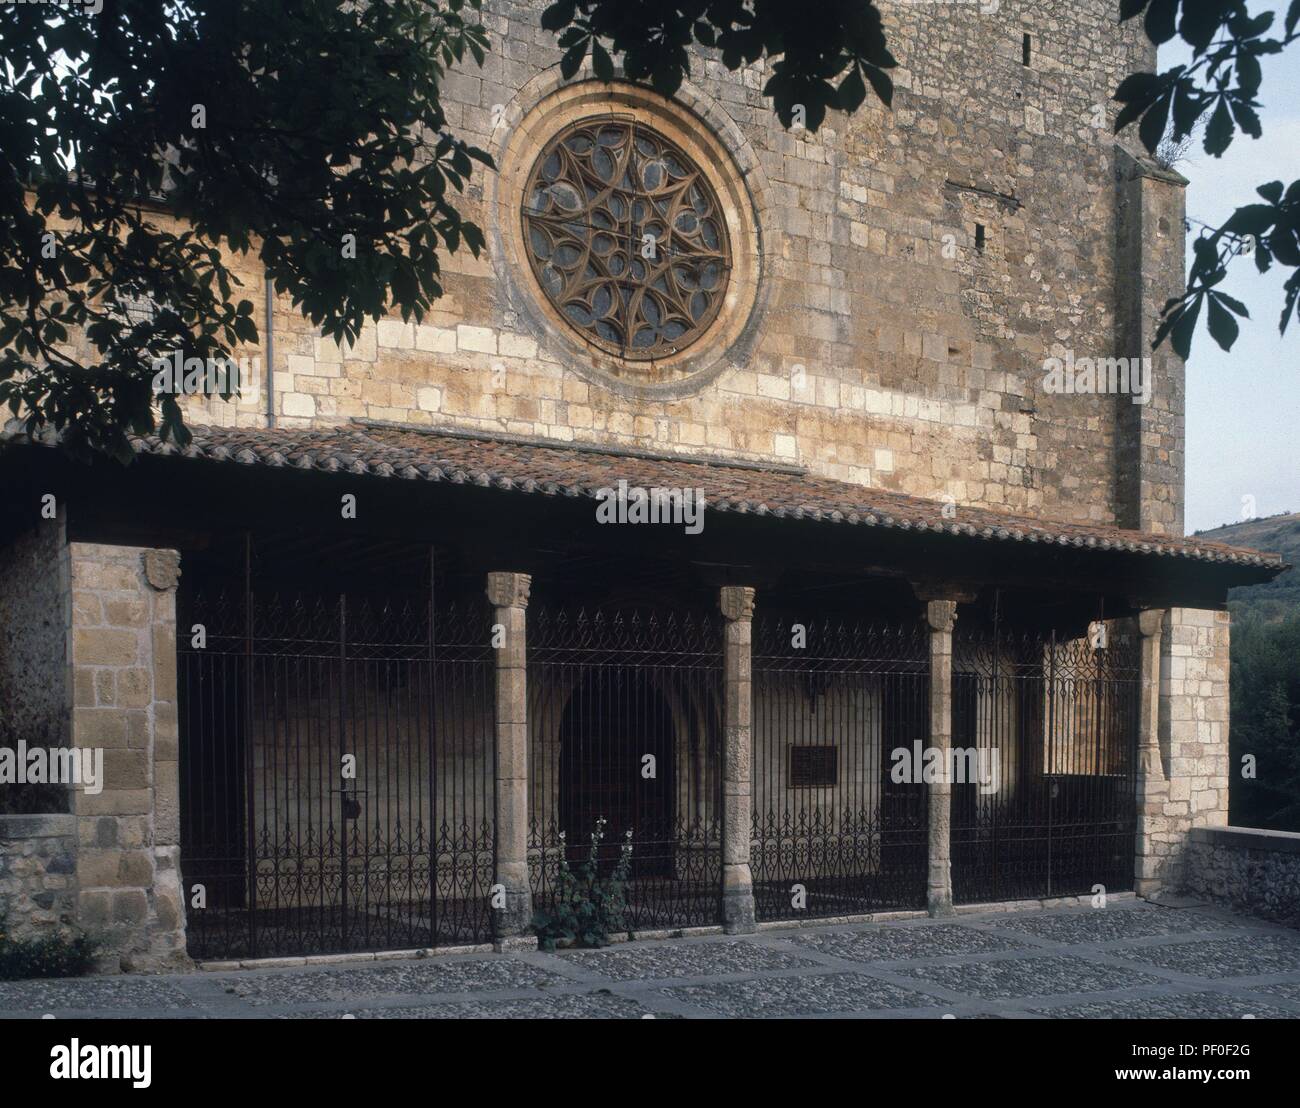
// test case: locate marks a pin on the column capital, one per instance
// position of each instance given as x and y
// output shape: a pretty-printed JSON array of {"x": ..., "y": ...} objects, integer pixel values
[
  {"x": 508, "y": 590},
  {"x": 736, "y": 603},
  {"x": 941, "y": 615},
  {"x": 1151, "y": 622},
  {"x": 162, "y": 568}
]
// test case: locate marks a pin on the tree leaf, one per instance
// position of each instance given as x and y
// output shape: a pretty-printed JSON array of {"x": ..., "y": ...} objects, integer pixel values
[
  {"x": 601, "y": 63},
  {"x": 1184, "y": 326},
  {"x": 881, "y": 83},
  {"x": 1159, "y": 23},
  {"x": 1200, "y": 23},
  {"x": 1272, "y": 192},
  {"x": 1218, "y": 133},
  {"x": 1223, "y": 328},
  {"x": 1246, "y": 118},
  {"x": 852, "y": 91},
  {"x": 559, "y": 15},
  {"x": 1152, "y": 128}
]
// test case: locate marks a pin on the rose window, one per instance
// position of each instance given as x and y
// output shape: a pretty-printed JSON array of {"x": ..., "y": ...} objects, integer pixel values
[{"x": 626, "y": 237}]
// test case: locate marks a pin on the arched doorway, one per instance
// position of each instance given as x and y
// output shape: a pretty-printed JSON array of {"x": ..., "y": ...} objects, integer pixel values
[{"x": 617, "y": 764}]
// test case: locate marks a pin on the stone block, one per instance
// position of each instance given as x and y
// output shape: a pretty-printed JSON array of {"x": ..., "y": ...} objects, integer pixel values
[{"x": 105, "y": 646}]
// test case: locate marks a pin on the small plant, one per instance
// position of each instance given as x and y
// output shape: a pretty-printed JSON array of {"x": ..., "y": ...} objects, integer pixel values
[
  {"x": 55, "y": 955},
  {"x": 587, "y": 908}
]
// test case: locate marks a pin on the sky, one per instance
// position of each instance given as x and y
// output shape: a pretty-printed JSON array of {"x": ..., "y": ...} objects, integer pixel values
[{"x": 1243, "y": 407}]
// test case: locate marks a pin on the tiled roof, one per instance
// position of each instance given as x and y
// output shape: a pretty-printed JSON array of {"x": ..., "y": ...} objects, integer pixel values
[{"x": 580, "y": 470}]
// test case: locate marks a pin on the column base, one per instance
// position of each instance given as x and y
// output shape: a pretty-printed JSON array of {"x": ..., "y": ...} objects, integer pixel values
[
  {"x": 738, "y": 900},
  {"x": 515, "y": 920},
  {"x": 938, "y": 902}
]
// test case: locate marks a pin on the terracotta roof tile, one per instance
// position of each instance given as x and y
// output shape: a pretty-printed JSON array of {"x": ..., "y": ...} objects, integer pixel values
[{"x": 580, "y": 470}]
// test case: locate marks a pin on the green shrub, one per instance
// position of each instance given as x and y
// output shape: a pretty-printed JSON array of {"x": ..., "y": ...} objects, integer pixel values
[
  {"x": 55, "y": 955},
  {"x": 587, "y": 908}
]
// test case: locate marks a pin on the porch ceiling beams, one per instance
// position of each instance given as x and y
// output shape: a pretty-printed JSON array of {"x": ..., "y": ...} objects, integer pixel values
[
  {"x": 556, "y": 471},
  {"x": 191, "y": 505}
]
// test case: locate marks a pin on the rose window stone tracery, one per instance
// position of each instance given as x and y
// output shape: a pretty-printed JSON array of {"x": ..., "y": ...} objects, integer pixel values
[{"x": 626, "y": 237}]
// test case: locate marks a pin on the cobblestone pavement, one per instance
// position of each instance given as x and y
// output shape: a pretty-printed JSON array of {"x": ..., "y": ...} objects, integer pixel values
[{"x": 1128, "y": 960}]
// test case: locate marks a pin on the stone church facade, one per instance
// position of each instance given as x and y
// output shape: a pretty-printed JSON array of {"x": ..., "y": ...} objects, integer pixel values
[{"x": 371, "y": 658}]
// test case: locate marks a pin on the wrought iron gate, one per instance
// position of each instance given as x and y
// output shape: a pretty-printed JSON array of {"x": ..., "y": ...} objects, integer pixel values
[
  {"x": 1049, "y": 727},
  {"x": 625, "y": 712},
  {"x": 337, "y": 772},
  {"x": 835, "y": 831}
]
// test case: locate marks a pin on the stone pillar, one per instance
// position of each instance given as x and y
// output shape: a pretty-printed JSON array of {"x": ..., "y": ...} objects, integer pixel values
[
  {"x": 940, "y": 615},
  {"x": 737, "y": 606},
  {"x": 123, "y": 660},
  {"x": 1192, "y": 750},
  {"x": 508, "y": 594},
  {"x": 1152, "y": 784}
]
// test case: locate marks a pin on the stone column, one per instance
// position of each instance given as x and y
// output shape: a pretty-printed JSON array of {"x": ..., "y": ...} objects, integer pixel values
[
  {"x": 940, "y": 615},
  {"x": 1152, "y": 785},
  {"x": 737, "y": 606},
  {"x": 512, "y": 915}
]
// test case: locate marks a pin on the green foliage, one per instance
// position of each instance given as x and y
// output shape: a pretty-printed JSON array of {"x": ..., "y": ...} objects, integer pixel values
[
  {"x": 811, "y": 46},
  {"x": 319, "y": 120},
  {"x": 324, "y": 133},
  {"x": 588, "y": 908},
  {"x": 1266, "y": 724},
  {"x": 1222, "y": 83},
  {"x": 326, "y": 152},
  {"x": 55, "y": 955}
]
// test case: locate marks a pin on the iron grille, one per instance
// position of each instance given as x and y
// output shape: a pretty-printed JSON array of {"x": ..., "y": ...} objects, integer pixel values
[
  {"x": 839, "y": 696},
  {"x": 1050, "y": 724},
  {"x": 297, "y": 852},
  {"x": 625, "y": 711}
]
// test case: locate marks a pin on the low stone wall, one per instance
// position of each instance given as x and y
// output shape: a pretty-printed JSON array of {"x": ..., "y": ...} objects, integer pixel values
[
  {"x": 1252, "y": 870},
  {"x": 38, "y": 874}
]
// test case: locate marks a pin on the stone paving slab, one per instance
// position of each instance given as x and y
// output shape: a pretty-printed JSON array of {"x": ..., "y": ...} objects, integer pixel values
[
  {"x": 672, "y": 960},
  {"x": 1287, "y": 990},
  {"x": 413, "y": 978},
  {"x": 1216, "y": 1006},
  {"x": 902, "y": 943},
  {"x": 813, "y": 994},
  {"x": 1129, "y": 960},
  {"x": 563, "y": 1007},
  {"x": 1108, "y": 925},
  {"x": 1246, "y": 956},
  {"x": 119, "y": 995},
  {"x": 1014, "y": 978}
]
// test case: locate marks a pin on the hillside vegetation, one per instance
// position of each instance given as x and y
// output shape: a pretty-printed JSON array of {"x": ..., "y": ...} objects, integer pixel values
[{"x": 1279, "y": 598}]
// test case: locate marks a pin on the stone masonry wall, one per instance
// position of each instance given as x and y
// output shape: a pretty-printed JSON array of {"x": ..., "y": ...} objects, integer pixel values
[
  {"x": 38, "y": 867},
  {"x": 1149, "y": 462},
  {"x": 34, "y": 615},
  {"x": 890, "y": 350},
  {"x": 1249, "y": 869},
  {"x": 123, "y": 652}
]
